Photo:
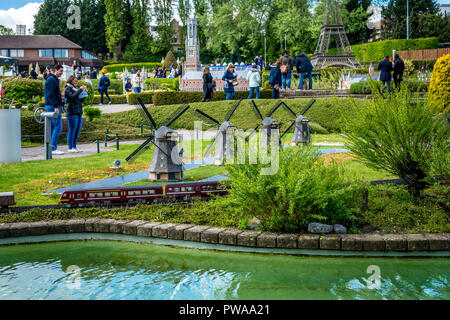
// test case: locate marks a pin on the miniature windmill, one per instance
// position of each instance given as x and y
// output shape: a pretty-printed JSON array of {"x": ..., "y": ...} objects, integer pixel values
[
  {"x": 224, "y": 137},
  {"x": 302, "y": 134},
  {"x": 166, "y": 164},
  {"x": 267, "y": 123}
]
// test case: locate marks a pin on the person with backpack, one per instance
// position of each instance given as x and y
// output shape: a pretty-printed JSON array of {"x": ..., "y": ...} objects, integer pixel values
[
  {"x": 227, "y": 78},
  {"x": 399, "y": 68},
  {"x": 275, "y": 79},
  {"x": 54, "y": 103},
  {"x": 305, "y": 68},
  {"x": 287, "y": 64},
  {"x": 74, "y": 111},
  {"x": 103, "y": 85},
  {"x": 385, "y": 68},
  {"x": 254, "y": 81}
]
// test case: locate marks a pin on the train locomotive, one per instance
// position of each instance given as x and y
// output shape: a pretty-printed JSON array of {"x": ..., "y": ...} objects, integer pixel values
[{"x": 175, "y": 192}]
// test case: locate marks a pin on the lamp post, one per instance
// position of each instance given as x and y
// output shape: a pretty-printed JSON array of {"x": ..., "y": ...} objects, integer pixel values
[{"x": 407, "y": 19}]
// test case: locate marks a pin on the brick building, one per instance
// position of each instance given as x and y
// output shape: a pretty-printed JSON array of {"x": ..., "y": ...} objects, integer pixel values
[{"x": 47, "y": 50}]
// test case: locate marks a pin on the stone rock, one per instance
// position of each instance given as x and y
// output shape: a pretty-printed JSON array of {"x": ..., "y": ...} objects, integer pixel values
[
  {"x": 315, "y": 227},
  {"x": 340, "y": 229}
]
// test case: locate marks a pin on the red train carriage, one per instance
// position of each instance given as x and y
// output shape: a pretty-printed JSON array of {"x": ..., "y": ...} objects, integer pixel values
[
  {"x": 190, "y": 190},
  {"x": 138, "y": 194}
]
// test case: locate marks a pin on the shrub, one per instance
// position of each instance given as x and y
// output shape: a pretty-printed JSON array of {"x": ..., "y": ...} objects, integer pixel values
[
  {"x": 115, "y": 99},
  {"x": 365, "y": 87},
  {"x": 160, "y": 83},
  {"x": 303, "y": 190},
  {"x": 409, "y": 67},
  {"x": 170, "y": 60},
  {"x": 91, "y": 113},
  {"x": 147, "y": 97},
  {"x": 30, "y": 107},
  {"x": 23, "y": 90},
  {"x": 399, "y": 134},
  {"x": 440, "y": 83}
]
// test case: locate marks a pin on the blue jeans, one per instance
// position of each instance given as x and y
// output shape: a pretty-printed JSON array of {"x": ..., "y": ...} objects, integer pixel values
[
  {"x": 286, "y": 77},
  {"x": 56, "y": 126},
  {"x": 74, "y": 122},
  {"x": 230, "y": 95},
  {"x": 104, "y": 91},
  {"x": 256, "y": 90},
  {"x": 309, "y": 75},
  {"x": 275, "y": 93},
  {"x": 137, "y": 89}
]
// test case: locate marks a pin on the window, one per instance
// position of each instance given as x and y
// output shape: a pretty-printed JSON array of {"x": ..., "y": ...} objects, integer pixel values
[
  {"x": 45, "y": 52},
  {"x": 138, "y": 193},
  {"x": 17, "y": 53},
  {"x": 4, "y": 53},
  {"x": 61, "y": 53},
  {"x": 87, "y": 55},
  {"x": 152, "y": 191},
  {"x": 107, "y": 194},
  {"x": 115, "y": 194},
  {"x": 79, "y": 195},
  {"x": 177, "y": 189}
]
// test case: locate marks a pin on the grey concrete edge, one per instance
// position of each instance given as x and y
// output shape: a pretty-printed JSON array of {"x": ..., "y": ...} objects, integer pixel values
[{"x": 228, "y": 239}]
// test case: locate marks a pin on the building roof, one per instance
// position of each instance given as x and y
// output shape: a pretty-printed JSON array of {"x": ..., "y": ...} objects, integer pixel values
[{"x": 37, "y": 42}]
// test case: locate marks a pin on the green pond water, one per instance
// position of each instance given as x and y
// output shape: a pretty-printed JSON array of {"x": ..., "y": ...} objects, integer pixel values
[{"x": 127, "y": 270}]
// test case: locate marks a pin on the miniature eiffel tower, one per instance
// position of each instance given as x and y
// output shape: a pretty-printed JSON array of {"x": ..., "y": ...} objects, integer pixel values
[{"x": 332, "y": 26}]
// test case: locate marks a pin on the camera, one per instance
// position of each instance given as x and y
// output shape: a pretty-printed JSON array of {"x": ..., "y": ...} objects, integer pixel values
[{"x": 235, "y": 81}]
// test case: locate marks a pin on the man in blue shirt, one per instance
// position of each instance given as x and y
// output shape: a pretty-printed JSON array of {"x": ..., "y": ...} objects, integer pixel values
[
  {"x": 54, "y": 103},
  {"x": 103, "y": 85}
]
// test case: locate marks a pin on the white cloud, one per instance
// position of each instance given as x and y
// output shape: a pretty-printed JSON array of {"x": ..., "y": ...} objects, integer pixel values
[{"x": 24, "y": 15}]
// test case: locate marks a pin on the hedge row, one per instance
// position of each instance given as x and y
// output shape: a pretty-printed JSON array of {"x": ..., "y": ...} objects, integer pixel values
[
  {"x": 375, "y": 51},
  {"x": 115, "y": 99},
  {"x": 162, "y": 83},
  {"x": 119, "y": 67},
  {"x": 161, "y": 98},
  {"x": 364, "y": 87}
]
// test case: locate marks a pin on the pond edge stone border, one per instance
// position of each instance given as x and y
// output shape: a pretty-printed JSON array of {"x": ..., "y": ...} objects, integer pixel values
[{"x": 233, "y": 237}]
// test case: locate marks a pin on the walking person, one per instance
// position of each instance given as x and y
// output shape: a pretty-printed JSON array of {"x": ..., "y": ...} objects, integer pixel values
[
  {"x": 227, "y": 78},
  {"x": 399, "y": 68},
  {"x": 385, "y": 68},
  {"x": 275, "y": 79},
  {"x": 54, "y": 103},
  {"x": 254, "y": 81},
  {"x": 74, "y": 111},
  {"x": 103, "y": 85},
  {"x": 94, "y": 74},
  {"x": 287, "y": 64},
  {"x": 137, "y": 80},
  {"x": 305, "y": 68},
  {"x": 33, "y": 74},
  {"x": 208, "y": 85}
]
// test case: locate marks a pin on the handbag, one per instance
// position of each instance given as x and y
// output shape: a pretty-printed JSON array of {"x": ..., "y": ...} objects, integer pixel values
[{"x": 284, "y": 68}]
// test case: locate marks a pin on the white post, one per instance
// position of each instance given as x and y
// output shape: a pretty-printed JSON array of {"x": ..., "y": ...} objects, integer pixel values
[{"x": 407, "y": 19}]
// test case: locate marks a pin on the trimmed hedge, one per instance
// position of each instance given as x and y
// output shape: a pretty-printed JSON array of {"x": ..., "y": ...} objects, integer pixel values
[
  {"x": 363, "y": 87},
  {"x": 162, "y": 83},
  {"x": 115, "y": 99},
  {"x": 139, "y": 65},
  {"x": 161, "y": 98},
  {"x": 376, "y": 51}
]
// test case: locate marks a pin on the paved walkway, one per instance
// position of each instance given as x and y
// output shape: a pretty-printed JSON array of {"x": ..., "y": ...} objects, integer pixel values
[
  {"x": 37, "y": 153},
  {"x": 113, "y": 108}
]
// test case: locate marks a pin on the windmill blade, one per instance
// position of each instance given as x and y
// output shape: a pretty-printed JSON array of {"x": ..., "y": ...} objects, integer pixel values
[
  {"x": 289, "y": 128},
  {"x": 256, "y": 110},
  {"x": 142, "y": 108},
  {"x": 232, "y": 110},
  {"x": 289, "y": 109},
  {"x": 147, "y": 122},
  {"x": 274, "y": 108},
  {"x": 176, "y": 114},
  {"x": 210, "y": 147},
  {"x": 310, "y": 105},
  {"x": 139, "y": 150},
  {"x": 207, "y": 118}
]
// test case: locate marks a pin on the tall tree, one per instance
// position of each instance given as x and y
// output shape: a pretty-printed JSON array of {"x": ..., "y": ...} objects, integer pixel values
[
  {"x": 139, "y": 47},
  {"x": 163, "y": 12},
  {"x": 184, "y": 11},
  {"x": 115, "y": 26},
  {"x": 394, "y": 17},
  {"x": 52, "y": 17},
  {"x": 354, "y": 18}
]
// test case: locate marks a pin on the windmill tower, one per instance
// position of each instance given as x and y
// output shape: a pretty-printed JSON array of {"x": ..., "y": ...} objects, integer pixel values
[
  {"x": 333, "y": 27},
  {"x": 166, "y": 163},
  {"x": 224, "y": 137}
]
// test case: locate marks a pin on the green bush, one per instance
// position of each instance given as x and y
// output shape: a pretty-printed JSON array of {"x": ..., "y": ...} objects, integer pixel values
[
  {"x": 303, "y": 190},
  {"x": 115, "y": 99},
  {"x": 365, "y": 87},
  {"x": 147, "y": 97},
  {"x": 400, "y": 134},
  {"x": 140, "y": 65},
  {"x": 116, "y": 86},
  {"x": 91, "y": 113},
  {"x": 162, "y": 83},
  {"x": 23, "y": 90}
]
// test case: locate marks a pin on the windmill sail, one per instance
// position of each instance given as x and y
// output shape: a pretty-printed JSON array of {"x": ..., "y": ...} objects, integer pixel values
[{"x": 136, "y": 153}]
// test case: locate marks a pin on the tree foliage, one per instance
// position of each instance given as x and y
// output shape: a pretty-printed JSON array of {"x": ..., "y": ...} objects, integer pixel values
[
  {"x": 115, "y": 26},
  {"x": 4, "y": 31}
]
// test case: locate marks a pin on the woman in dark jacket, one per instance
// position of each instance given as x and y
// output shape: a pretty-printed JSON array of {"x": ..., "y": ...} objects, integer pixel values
[
  {"x": 399, "y": 68},
  {"x": 208, "y": 85},
  {"x": 227, "y": 78},
  {"x": 74, "y": 110},
  {"x": 275, "y": 79}
]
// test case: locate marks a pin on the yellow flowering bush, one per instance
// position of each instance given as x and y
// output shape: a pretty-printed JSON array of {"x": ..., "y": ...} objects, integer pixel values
[{"x": 439, "y": 90}]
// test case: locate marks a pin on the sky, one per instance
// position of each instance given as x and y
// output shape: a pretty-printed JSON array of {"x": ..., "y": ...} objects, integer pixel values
[{"x": 13, "y": 12}]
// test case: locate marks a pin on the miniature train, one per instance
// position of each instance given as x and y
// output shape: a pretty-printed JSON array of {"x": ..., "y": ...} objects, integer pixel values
[{"x": 174, "y": 192}]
